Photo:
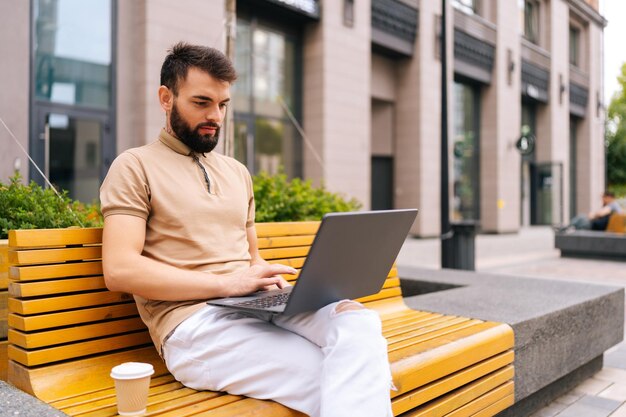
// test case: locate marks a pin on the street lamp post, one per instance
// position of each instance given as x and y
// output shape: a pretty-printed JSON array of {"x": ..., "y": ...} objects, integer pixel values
[{"x": 446, "y": 232}]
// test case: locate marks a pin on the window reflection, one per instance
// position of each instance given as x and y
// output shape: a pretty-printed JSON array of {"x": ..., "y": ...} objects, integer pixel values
[
  {"x": 73, "y": 51},
  {"x": 265, "y": 138},
  {"x": 466, "y": 147}
]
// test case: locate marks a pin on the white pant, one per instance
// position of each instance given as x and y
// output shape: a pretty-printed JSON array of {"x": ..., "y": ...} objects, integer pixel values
[{"x": 322, "y": 364}]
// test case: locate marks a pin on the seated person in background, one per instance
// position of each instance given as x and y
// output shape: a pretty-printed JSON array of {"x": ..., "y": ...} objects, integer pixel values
[{"x": 599, "y": 219}]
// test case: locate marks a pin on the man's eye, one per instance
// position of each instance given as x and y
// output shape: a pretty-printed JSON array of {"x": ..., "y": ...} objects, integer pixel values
[
  {"x": 200, "y": 103},
  {"x": 223, "y": 105}
]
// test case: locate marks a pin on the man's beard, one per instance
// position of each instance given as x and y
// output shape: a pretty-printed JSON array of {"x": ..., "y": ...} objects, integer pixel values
[{"x": 191, "y": 137}]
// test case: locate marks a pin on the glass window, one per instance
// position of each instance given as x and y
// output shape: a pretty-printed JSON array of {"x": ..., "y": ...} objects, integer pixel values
[
  {"x": 466, "y": 148},
  {"x": 468, "y": 6},
  {"x": 265, "y": 137},
  {"x": 574, "y": 46},
  {"x": 73, "y": 52},
  {"x": 531, "y": 20}
]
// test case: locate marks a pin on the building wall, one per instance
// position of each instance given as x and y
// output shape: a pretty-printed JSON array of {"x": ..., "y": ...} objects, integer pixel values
[
  {"x": 147, "y": 29},
  {"x": 418, "y": 111},
  {"x": 591, "y": 160},
  {"x": 15, "y": 72},
  {"x": 500, "y": 121},
  {"x": 337, "y": 101}
]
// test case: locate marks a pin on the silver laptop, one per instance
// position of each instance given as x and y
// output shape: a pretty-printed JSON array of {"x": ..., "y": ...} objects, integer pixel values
[{"x": 350, "y": 258}]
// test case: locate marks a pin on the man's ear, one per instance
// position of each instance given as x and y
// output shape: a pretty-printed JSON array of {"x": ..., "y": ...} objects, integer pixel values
[{"x": 166, "y": 98}]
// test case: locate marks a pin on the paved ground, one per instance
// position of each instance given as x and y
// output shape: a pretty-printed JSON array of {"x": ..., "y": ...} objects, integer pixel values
[{"x": 531, "y": 253}]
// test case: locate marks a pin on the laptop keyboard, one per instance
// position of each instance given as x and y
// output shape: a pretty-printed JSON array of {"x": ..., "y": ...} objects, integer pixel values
[{"x": 265, "y": 302}]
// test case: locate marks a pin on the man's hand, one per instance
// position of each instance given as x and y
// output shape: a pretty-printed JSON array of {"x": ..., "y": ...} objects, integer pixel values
[{"x": 259, "y": 277}]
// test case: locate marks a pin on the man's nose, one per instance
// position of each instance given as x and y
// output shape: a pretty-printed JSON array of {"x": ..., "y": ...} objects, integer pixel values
[{"x": 215, "y": 114}]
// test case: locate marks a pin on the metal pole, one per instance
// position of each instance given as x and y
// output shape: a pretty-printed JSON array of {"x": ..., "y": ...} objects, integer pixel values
[{"x": 446, "y": 234}]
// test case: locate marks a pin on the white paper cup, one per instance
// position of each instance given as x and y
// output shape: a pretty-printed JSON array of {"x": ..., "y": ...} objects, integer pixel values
[{"x": 132, "y": 381}]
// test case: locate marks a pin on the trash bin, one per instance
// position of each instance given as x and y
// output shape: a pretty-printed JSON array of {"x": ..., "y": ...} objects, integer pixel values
[{"x": 461, "y": 246}]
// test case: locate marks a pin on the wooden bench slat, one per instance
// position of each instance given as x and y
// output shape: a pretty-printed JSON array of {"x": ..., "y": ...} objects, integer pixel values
[
  {"x": 72, "y": 317},
  {"x": 279, "y": 253},
  {"x": 462, "y": 397},
  {"x": 4, "y": 280},
  {"x": 499, "y": 406},
  {"x": 57, "y": 286},
  {"x": 73, "y": 334},
  {"x": 56, "y": 354},
  {"x": 49, "y": 256},
  {"x": 38, "y": 272},
  {"x": 411, "y": 333},
  {"x": 249, "y": 407},
  {"x": 481, "y": 405},
  {"x": 455, "y": 351},
  {"x": 66, "y": 302},
  {"x": 4, "y": 311},
  {"x": 201, "y": 407},
  {"x": 434, "y": 334},
  {"x": 292, "y": 262},
  {"x": 285, "y": 241},
  {"x": 384, "y": 293},
  {"x": 286, "y": 228},
  {"x": 4, "y": 360},
  {"x": 401, "y": 320},
  {"x": 108, "y": 406},
  {"x": 157, "y": 385},
  {"x": 422, "y": 395},
  {"x": 36, "y": 238},
  {"x": 67, "y": 380}
]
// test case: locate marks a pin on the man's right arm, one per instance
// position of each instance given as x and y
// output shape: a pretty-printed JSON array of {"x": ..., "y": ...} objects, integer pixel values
[{"x": 127, "y": 270}]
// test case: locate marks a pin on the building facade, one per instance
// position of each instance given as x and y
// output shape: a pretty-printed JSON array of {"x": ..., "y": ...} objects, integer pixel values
[{"x": 346, "y": 92}]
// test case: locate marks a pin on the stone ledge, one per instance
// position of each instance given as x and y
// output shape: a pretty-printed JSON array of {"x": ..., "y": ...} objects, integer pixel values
[
  {"x": 591, "y": 244},
  {"x": 560, "y": 326}
]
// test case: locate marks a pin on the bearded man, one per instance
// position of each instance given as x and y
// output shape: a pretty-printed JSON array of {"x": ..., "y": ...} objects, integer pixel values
[{"x": 179, "y": 230}]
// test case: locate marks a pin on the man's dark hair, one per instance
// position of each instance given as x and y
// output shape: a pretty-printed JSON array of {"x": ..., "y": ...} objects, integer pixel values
[
  {"x": 183, "y": 56},
  {"x": 610, "y": 194}
]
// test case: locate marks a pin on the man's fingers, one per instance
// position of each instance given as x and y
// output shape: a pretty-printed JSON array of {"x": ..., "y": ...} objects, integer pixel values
[{"x": 277, "y": 269}]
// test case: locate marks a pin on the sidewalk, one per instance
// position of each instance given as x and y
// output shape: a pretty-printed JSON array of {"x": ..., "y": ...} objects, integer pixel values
[{"x": 531, "y": 253}]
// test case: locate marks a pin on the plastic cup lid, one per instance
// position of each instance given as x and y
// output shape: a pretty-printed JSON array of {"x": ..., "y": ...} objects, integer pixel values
[{"x": 132, "y": 370}]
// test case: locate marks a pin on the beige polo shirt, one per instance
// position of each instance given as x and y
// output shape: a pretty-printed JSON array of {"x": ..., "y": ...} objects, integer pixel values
[{"x": 186, "y": 226}]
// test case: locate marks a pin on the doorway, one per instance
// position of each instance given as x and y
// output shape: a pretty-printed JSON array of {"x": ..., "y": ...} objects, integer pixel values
[{"x": 74, "y": 149}]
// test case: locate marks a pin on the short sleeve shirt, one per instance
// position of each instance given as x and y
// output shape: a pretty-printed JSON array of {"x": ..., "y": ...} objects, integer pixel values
[{"x": 192, "y": 222}]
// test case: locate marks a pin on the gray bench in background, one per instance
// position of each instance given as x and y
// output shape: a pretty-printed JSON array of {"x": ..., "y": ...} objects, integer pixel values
[{"x": 591, "y": 244}]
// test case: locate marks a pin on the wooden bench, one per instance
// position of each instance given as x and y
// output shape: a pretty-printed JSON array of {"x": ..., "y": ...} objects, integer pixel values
[
  {"x": 609, "y": 244},
  {"x": 4, "y": 295},
  {"x": 617, "y": 223},
  {"x": 66, "y": 332}
]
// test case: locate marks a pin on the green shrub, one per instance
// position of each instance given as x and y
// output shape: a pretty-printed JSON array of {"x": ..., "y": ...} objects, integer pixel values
[
  {"x": 618, "y": 189},
  {"x": 33, "y": 207},
  {"x": 279, "y": 200}
]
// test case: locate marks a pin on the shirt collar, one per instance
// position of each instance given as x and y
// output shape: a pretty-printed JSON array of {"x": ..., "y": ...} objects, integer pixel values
[{"x": 174, "y": 143}]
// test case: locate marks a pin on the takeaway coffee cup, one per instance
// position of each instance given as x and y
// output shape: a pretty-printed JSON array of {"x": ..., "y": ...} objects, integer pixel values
[{"x": 132, "y": 380}]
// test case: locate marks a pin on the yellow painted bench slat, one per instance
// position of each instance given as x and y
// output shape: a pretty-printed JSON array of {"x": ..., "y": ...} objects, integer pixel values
[
  {"x": 73, "y": 334},
  {"x": 286, "y": 229},
  {"x": 36, "y": 238},
  {"x": 46, "y": 305},
  {"x": 412, "y": 399},
  {"x": 72, "y": 317},
  {"x": 59, "y": 353},
  {"x": 284, "y": 241},
  {"x": 499, "y": 398},
  {"x": 58, "y": 286},
  {"x": 46, "y": 256},
  {"x": 38, "y": 272}
]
